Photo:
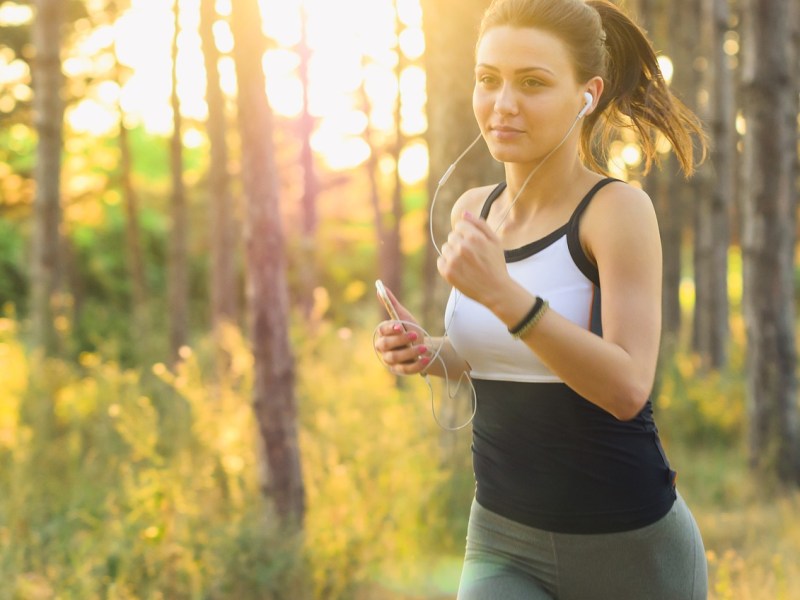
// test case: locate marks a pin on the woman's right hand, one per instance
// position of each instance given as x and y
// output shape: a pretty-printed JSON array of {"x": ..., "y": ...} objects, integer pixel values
[{"x": 401, "y": 344}]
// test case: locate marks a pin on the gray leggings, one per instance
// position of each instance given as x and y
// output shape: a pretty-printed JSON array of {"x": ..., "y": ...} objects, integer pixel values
[{"x": 506, "y": 560}]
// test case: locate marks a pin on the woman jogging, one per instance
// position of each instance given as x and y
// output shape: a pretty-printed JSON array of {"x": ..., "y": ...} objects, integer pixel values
[{"x": 555, "y": 314}]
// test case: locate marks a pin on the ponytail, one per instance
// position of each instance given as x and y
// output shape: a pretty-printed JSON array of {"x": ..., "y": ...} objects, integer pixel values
[
  {"x": 636, "y": 96},
  {"x": 604, "y": 42}
]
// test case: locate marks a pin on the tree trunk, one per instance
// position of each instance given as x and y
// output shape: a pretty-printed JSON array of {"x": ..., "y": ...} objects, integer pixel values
[
  {"x": 382, "y": 234},
  {"x": 140, "y": 323},
  {"x": 660, "y": 186},
  {"x": 685, "y": 22},
  {"x": 308, "y": 272},
  {"x": 387, "y": 226},
  {"x": 712, "y": 215},
  {"x": 48, "y": 115},
  {"x": 133, "y": 238},
  {"x": 451, "y": 30},
  {"x": 392, "y": 271},
  {"x": 178, "y": 284},
  {"x": 657, "y": 20},
  {"x": 267, "y": 290},
  {"x": 793, "y": 123},
  {"x": 768, "y": 238},
  {"x": 221, "y": 206}
]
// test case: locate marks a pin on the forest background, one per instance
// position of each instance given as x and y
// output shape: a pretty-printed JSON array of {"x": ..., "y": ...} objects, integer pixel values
[{"x": 195, "y": 198}]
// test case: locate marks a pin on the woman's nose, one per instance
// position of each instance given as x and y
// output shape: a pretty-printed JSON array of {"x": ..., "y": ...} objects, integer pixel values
[{"x": 505, "y": 103}]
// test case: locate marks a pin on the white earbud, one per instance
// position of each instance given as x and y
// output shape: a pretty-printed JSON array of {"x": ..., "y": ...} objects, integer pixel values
[{"x": 589, "y": 101}]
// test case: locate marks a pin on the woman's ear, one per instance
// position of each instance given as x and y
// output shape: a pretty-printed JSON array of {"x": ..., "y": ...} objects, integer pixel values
[{"x": 594, "y": 88}]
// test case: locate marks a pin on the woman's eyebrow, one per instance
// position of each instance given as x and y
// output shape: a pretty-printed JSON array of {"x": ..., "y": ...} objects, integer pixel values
[{"x": 517, "y": 71}]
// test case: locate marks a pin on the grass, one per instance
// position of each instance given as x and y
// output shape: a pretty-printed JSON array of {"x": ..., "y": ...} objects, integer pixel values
[
  {"x": 751, "y": 531},
  {"x": 140, "y": 483}
]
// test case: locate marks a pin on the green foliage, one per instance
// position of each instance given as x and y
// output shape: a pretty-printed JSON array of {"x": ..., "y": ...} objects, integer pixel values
[
  {"x": 701, "y": 405},
  {"x": 130, "y": 485},
  {"x": 371, "y": 464},
  {"x": 751, "y": 535},
  {"x": 102, "y": 284},
  {"x": 145, "y": 483},
  {"x": 151, "y": 159},
  {"x": 13, "y": 279},
  {"x": 17, "y": 148}
]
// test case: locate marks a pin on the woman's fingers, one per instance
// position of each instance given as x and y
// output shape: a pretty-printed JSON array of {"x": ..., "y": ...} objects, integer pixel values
[
  {"x": 409, "y": 361},
  {"x": 395, "y": 334},
  {"x": 399, "y": 351},
  {"x": 405, "y": 356}
]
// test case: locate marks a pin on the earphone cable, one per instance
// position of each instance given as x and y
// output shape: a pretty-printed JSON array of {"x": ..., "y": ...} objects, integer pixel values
[{"x": 456, "y": 294}]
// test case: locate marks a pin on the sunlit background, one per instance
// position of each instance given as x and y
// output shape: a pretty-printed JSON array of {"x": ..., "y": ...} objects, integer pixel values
[
  {"x": 345, "y": 57},
  {"x": 347, "y": 60}
]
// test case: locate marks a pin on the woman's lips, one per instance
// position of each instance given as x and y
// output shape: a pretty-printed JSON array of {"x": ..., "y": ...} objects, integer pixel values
[{"x": 503, "y": 132}]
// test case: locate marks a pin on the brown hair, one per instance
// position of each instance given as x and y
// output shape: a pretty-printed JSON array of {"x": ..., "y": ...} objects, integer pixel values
[{"x": 604, "y": 42}]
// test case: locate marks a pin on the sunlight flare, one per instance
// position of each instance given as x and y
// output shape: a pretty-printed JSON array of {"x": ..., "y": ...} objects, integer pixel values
[
  {"x": 667, "y": 69},
  {"x": 15, "y": 15},
  {"x": 92, "y": 117},
  {"x": 346, "y": 56},
  {"x": 413, "y": 164}
]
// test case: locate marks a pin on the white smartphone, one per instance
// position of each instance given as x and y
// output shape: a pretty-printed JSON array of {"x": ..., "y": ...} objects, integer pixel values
[{"x": 384, "y": 296}]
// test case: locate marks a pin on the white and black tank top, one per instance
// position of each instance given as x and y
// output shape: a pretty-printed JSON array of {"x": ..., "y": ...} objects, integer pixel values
[
  {"x": 553, "y": 267},
  {"x": 542, "y": 454}
]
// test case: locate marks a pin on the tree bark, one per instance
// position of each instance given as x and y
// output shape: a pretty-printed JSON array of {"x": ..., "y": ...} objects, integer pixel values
[
  {"x": 371, "y": 166},
  {"x": 178, "y": 284},
  {"x": 392, "y": 269},
  {"x": 133, "y": 237},
  {"x": 657, "y": 20},
  {"x": 793, "y": 123},
  {"x": 685, "y": 25},
  {"x": 712, "y": 214},
  {"x": 308, "y": 272},
  {"x": 48, "y": 115},
  {"x": 660, "y": 186},
  {"x": 768, "y": 238},
  {"x": 451, "y": 30},
  {"x": 221, "y": 206},
  {"x": 267, "y": 290}
]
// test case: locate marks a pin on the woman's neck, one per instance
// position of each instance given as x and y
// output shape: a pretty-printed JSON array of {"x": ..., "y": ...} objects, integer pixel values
[{"x": 548, "y": 183}]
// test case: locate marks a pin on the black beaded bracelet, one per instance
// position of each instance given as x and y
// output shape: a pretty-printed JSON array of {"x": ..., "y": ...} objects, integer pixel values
[{"x": 529, "y": 320}]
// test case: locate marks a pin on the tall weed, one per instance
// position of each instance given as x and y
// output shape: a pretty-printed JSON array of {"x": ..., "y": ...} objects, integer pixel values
[
  {"x": 147, "y": 482},
  {"x": 372, "y": 462},
  {"x": 128, "y": 484}
]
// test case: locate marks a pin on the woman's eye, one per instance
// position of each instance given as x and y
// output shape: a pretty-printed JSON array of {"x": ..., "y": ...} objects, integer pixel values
[
  {"x": 529, "y": 83},
  {"x": 486, "y": 79}
]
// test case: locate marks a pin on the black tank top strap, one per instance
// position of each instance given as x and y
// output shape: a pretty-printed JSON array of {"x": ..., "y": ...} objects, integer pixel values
[
  {"x": 588, "y": 197},
  {"x": 494, "y": 195},
  {"x": 583, "y": 263}
]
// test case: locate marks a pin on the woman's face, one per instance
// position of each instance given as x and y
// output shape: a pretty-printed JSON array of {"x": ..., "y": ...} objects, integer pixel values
[{"x": 526, "y": 95}]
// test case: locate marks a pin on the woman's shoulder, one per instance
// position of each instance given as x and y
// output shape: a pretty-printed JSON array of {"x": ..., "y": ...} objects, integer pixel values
[
  {"x": 620, "y": 199},
  {"x": 472, "y": 201},
  {"x": 619, "y": 212}
]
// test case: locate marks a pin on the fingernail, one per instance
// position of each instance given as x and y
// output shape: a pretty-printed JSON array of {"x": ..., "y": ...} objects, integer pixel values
[
  {"x": 424, "y": 360},
  {"x": 412, "y": 335},
  {"x": 422, "y": 349},
  {"x": 397, "y": 327}
]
